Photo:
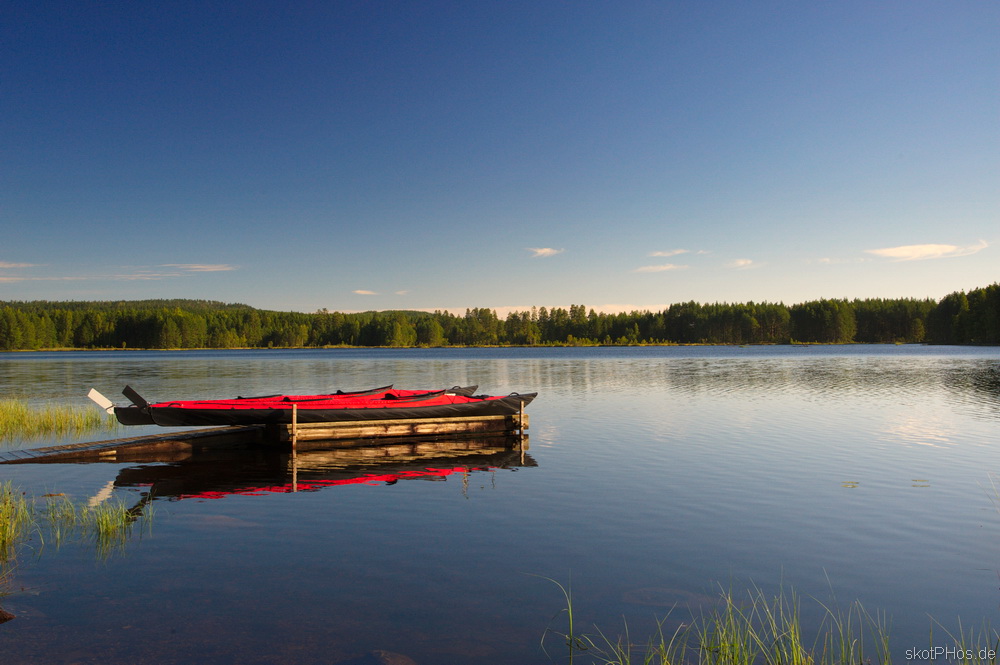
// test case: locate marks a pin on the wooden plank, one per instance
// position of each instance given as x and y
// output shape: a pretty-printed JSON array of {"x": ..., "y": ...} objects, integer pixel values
[
  {"x": 402, "y": 428},
  {"x": 187, "y": 442},
  {"x": 174, "y": 443}
]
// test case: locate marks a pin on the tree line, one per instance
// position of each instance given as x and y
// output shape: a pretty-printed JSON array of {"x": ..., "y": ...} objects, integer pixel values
[{"x": 958, "y": 318}]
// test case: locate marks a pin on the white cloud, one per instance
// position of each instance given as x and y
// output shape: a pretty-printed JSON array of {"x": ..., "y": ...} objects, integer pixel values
[
  {"x": 662, "y": 268},
  {"x": 921, "y": 252},
  {"x": 401, "y": 293},
  {"x": 201, "y": 267},
  {"x": 741, "y": 264},
  {"x": 363, "y": 292},
  {"x": 129, "y": 274},
  {"x": 670, "y": 252},
  {"x": 541, "y": 252},
  {"x": 141, "y": 275}
]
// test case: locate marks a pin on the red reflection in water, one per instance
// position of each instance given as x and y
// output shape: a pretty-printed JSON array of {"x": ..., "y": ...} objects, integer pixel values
[{"x": 314, "y": 485}]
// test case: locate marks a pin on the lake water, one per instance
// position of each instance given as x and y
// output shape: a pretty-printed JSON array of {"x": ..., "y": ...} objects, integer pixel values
[{"x": 654, "y": 478}]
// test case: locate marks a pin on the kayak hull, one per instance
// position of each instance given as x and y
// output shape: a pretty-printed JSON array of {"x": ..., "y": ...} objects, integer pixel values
[{"x": 434, "y": 405}]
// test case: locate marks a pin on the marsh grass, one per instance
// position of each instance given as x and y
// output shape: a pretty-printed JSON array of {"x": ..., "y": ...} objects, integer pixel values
[
  {"x": 972, "y": 646},
  {"x": 111, "y": 524},
  {"x": 752, "y": 628},
  {"x": 16, "y": 521},
  {"x": 56, "y": 519},
  {"x": 18, "y": 419}
]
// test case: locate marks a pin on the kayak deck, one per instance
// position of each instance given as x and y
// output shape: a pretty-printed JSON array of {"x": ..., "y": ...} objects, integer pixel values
[{"x": 362, "y": 406}]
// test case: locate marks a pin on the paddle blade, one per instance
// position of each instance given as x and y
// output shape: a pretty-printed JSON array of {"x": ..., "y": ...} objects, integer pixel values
[
  {"x": 101, "y": 401},
  {"x": 135, "y": 397}
]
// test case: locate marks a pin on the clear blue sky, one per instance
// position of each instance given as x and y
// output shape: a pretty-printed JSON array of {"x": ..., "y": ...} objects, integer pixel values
[{"x": 444, "y": 155}]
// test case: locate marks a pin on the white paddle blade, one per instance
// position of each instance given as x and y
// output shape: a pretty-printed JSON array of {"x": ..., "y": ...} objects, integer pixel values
[{"x": 101, "y": 401}]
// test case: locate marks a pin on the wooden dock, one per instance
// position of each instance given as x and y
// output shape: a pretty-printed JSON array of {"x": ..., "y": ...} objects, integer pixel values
[
  {"x": 166, "y": 446},
  {"x": 180, "y": 445},
  {"x": 410, "y": 427}
]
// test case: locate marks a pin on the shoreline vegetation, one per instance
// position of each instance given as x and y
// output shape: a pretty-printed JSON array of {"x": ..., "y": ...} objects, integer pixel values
[
  {"x": 20, "y": 419},
  {"x": 54, "y": 519},
  {"x": 752, "y": 628},
  {"x": 959, "y": 318}
]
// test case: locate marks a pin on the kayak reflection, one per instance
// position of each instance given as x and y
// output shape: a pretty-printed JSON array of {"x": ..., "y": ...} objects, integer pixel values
[{"x": 220, "y": 473}]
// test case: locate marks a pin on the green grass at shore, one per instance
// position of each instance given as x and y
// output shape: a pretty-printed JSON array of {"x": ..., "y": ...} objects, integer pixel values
[
  {"x": 19, "y": 419},
  {"x": 752, "y": 628},
  {"x": 16, "y": 520},
  {"x": 55, "y": 519}
]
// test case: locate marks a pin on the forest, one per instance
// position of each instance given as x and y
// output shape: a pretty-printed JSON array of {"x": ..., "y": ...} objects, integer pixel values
[{"x": 959, "y": 318}]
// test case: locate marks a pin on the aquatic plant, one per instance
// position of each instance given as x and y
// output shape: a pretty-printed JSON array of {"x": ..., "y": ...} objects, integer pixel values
[
  {"x": 16, "y": 521},
  {"x": 747, "y": 629},
  {"x": 108, "y": 524},
  {"x": 18, "y": 419},
  {"x": 111, "y": 523}
]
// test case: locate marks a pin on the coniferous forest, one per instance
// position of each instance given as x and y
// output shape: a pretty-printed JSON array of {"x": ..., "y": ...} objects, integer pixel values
[{"x": 959, "y": 318}]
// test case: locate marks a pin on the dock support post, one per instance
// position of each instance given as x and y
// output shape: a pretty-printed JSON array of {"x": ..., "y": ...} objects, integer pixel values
[
  {"x": 520, "y": 428},
  {"x": 295, "y": 445}
]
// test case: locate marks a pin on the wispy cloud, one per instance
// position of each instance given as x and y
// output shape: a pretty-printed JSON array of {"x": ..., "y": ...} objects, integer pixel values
[
  {"x": 828, "y": 261},
  {"x": 670, "y": 252},
  {"x": 140, "y": 275},
  {"x": 127, "y": 274},
  {"x": 921, "y": 252},
  {"x": 542, "y": 252},
  {"x": 201, "y": 267},
  {"x": 661, "y": 268},
  {"x": 401, "y": 293},
  {"x": 364, "y": 292},
  {"x": 742, "y": 264}
]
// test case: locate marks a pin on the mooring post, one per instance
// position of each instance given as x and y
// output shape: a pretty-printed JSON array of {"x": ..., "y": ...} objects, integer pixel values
[
  {"x": 295, "y": 443},
  {"x": 520, "y": 426}
]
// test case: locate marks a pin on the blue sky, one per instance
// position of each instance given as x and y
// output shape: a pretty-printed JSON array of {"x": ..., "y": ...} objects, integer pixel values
[{"x": 444, "y": 155}]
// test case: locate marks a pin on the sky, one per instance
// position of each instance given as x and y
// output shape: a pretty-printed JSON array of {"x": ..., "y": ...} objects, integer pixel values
[{"x": 430, "y": 155}]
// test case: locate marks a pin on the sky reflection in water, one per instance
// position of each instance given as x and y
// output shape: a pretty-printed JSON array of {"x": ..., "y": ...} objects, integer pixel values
[{"x": 654, "y": 476}]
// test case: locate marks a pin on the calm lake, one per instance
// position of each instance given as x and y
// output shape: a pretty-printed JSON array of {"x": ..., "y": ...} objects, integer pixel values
[{"x": 655, "y": 478}]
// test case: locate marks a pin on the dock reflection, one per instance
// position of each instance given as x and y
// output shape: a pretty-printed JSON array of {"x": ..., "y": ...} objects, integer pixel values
[{"x": 215, "y": 474}]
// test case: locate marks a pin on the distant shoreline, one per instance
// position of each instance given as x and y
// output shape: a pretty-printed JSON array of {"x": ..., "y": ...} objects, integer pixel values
[
  {"x": 958, "y": 318},
  {"x": 481, "y": 346}
]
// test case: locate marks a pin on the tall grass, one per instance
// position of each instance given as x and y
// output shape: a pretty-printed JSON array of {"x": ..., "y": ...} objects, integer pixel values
[
  {"x": 18, "y": 419},
  {"x": 16, "y": 520},
  {"x": 109, "y": 524},
  {"x": 755, "y": 629}
]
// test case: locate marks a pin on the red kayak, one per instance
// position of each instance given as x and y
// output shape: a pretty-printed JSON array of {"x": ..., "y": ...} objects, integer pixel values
[{"x": 376, "y": 404}]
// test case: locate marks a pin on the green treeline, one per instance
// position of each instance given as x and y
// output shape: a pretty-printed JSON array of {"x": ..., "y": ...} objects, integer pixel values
[{"x": 959, "y": 318}]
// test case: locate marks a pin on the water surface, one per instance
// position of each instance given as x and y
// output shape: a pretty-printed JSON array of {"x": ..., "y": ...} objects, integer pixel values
[{"x": 654, "y": 477}]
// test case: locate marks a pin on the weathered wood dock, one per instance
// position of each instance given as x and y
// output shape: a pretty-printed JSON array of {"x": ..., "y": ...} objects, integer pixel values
[
  {"x": 410, "y": 427},
  {"x": 168, "y": 446},
  {"x": 179, "y": 445}
]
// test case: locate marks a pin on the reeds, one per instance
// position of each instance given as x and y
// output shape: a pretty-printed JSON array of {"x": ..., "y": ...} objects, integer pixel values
[
  {"x": 16, "y": 520},
  {"x": 18, "y": 419},
  {"x": 754, "y": 629},
  {"x": 108, "y": 524}
]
